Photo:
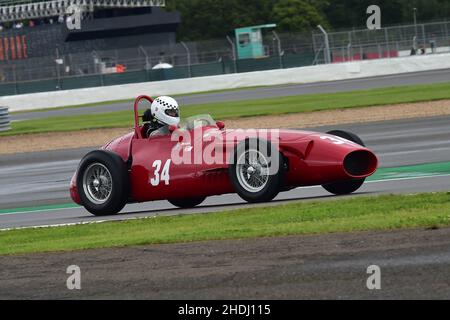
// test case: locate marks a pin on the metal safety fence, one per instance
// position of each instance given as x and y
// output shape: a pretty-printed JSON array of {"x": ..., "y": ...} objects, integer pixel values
[
  {"x": 388, "y": 42},
  {"x": 62, "y": 71},
  {"x": 225, "y": 66}
]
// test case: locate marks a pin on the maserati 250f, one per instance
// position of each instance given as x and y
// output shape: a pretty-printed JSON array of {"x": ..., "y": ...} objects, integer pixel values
[{"x": 200, "y": 158}]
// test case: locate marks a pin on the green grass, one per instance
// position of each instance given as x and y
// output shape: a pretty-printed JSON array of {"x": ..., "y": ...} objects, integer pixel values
[
  {"x": 345, "y": 215},
  {"x": 227, "y": 110}
]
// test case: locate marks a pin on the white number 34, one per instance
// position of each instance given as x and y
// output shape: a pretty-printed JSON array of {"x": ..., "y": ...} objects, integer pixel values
[{"x": 164, "y": 174}]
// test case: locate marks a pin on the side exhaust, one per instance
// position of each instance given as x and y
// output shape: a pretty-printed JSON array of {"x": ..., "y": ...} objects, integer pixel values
[{"x": 360, "y": 163}]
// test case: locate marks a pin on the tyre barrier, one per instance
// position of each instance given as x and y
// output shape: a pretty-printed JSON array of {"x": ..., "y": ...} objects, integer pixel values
[{"x": 5, "y": 119}]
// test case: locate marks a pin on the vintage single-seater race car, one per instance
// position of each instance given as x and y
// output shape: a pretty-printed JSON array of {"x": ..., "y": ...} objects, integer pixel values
[{"x": 200, "y": 158}]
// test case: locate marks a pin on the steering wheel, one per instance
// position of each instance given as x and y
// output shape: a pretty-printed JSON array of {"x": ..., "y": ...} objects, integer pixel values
[{"x": 196, "y": 123}]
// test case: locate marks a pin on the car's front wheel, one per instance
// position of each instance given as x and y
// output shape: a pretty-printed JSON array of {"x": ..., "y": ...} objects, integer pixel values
[
  {"x": 102, "y": 183},
  {"x": 256, "y": 171}
]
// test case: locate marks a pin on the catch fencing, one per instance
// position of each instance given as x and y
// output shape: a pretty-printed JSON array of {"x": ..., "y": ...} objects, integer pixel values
[
  {"x": 65, "y": 71},
  {"x": 388, "y": 42}
]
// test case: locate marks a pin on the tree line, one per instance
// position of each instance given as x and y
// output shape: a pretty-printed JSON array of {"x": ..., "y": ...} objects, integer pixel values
[{"x": 208, "y": 19}]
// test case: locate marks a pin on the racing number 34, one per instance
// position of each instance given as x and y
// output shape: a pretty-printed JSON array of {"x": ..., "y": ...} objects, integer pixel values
[{"x": 164, "y": 176}]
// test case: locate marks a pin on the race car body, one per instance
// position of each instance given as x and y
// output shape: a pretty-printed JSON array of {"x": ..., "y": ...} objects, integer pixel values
[{"x": 200, "y": 158}]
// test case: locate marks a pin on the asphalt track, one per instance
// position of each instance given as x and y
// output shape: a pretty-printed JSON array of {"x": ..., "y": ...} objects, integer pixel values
[
  {"x": 426, "y": 77},
  {"x": 43, "y": 178},
  {"x": 414, "y": 264}
]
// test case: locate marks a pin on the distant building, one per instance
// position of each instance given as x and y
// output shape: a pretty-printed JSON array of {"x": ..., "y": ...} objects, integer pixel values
[{"x": 101, "y": 29}]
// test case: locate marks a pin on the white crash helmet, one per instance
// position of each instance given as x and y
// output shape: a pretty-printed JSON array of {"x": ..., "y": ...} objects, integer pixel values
[{"x": 166, "y": 111}]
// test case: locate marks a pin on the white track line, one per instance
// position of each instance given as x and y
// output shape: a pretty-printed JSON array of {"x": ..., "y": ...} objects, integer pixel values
[{"x": 38, "y": 210}]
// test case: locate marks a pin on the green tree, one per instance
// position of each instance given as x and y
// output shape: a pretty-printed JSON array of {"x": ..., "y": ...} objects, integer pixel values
[
  {"x": 298, "y": 15},
  {"x": 352, "y": 13},
  {"x": 206, "y": 19}
]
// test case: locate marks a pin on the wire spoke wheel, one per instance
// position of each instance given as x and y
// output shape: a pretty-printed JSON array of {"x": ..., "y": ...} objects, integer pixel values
[
  {"x": 103, "y": 183},
  {"x": 97, "y": 183},
  {"x": 252, "y": 170},
  {"x": 254, "y": 173}
]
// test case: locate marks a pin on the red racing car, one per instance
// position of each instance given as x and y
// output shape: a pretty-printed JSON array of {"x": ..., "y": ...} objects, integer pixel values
[{"x": 200, "y": 158}]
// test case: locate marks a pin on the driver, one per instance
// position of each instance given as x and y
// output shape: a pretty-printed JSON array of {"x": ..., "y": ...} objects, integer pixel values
[{"x": 164, "y": 112}]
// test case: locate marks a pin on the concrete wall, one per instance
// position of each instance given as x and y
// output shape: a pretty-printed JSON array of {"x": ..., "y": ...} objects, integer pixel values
[{"x": 339, "y": 71}]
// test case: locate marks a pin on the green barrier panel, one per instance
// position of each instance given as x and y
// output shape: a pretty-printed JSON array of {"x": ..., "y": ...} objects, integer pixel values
[
  {"x": 125, "y": 77},
  {"x": 168, "y": 74},
  {"x": 229, "y": 66},
  {"x": 80, "y": 82},
  {"x": 298, "y": 60},
  {"x": 7, "y": 89},
  {"x": 249, "y": 65},
  {"x": 158, "y": 75},
  {"x": 180, "y": 72},
  {"x": 37, "y": 86},
  {"x": 207, "y": 69}
]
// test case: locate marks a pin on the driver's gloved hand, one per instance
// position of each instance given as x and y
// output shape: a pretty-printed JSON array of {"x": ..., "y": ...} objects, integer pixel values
[{"x": 147, "y": 117}]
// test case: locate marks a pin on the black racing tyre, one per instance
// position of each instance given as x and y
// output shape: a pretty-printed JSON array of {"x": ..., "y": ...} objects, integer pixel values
[
  {"x": 103, "y": 183},
  {"x": 187, "y": 203},
  {"x": 347, "y": 135},
  {"x": 349, "y": 186},
  {"x": 256, "y": 171},
  {"x": 344, "y": 187}
]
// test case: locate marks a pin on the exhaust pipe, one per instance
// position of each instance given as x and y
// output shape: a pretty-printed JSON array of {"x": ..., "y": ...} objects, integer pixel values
[{"x": 360, "y": 163}]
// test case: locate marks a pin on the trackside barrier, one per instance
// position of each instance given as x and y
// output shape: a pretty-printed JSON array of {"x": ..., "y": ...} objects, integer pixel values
[
  {"x": 302, "y": 75},
  {"x": 5, "y": 121},
  {"x": 137, "y": 76}
]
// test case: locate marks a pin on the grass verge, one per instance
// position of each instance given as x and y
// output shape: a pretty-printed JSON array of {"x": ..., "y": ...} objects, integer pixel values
[
  {"x": 344, "y": 215},
  {"x": 227, "y": 110}
]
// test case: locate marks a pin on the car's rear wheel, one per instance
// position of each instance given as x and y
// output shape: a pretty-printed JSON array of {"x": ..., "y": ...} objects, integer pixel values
[
  {"x": 102, "y": 183},
  {"x": 349, "y": 186},
  {"x": 256, "y": 171},
  {"x": 187, "y": 203}
]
